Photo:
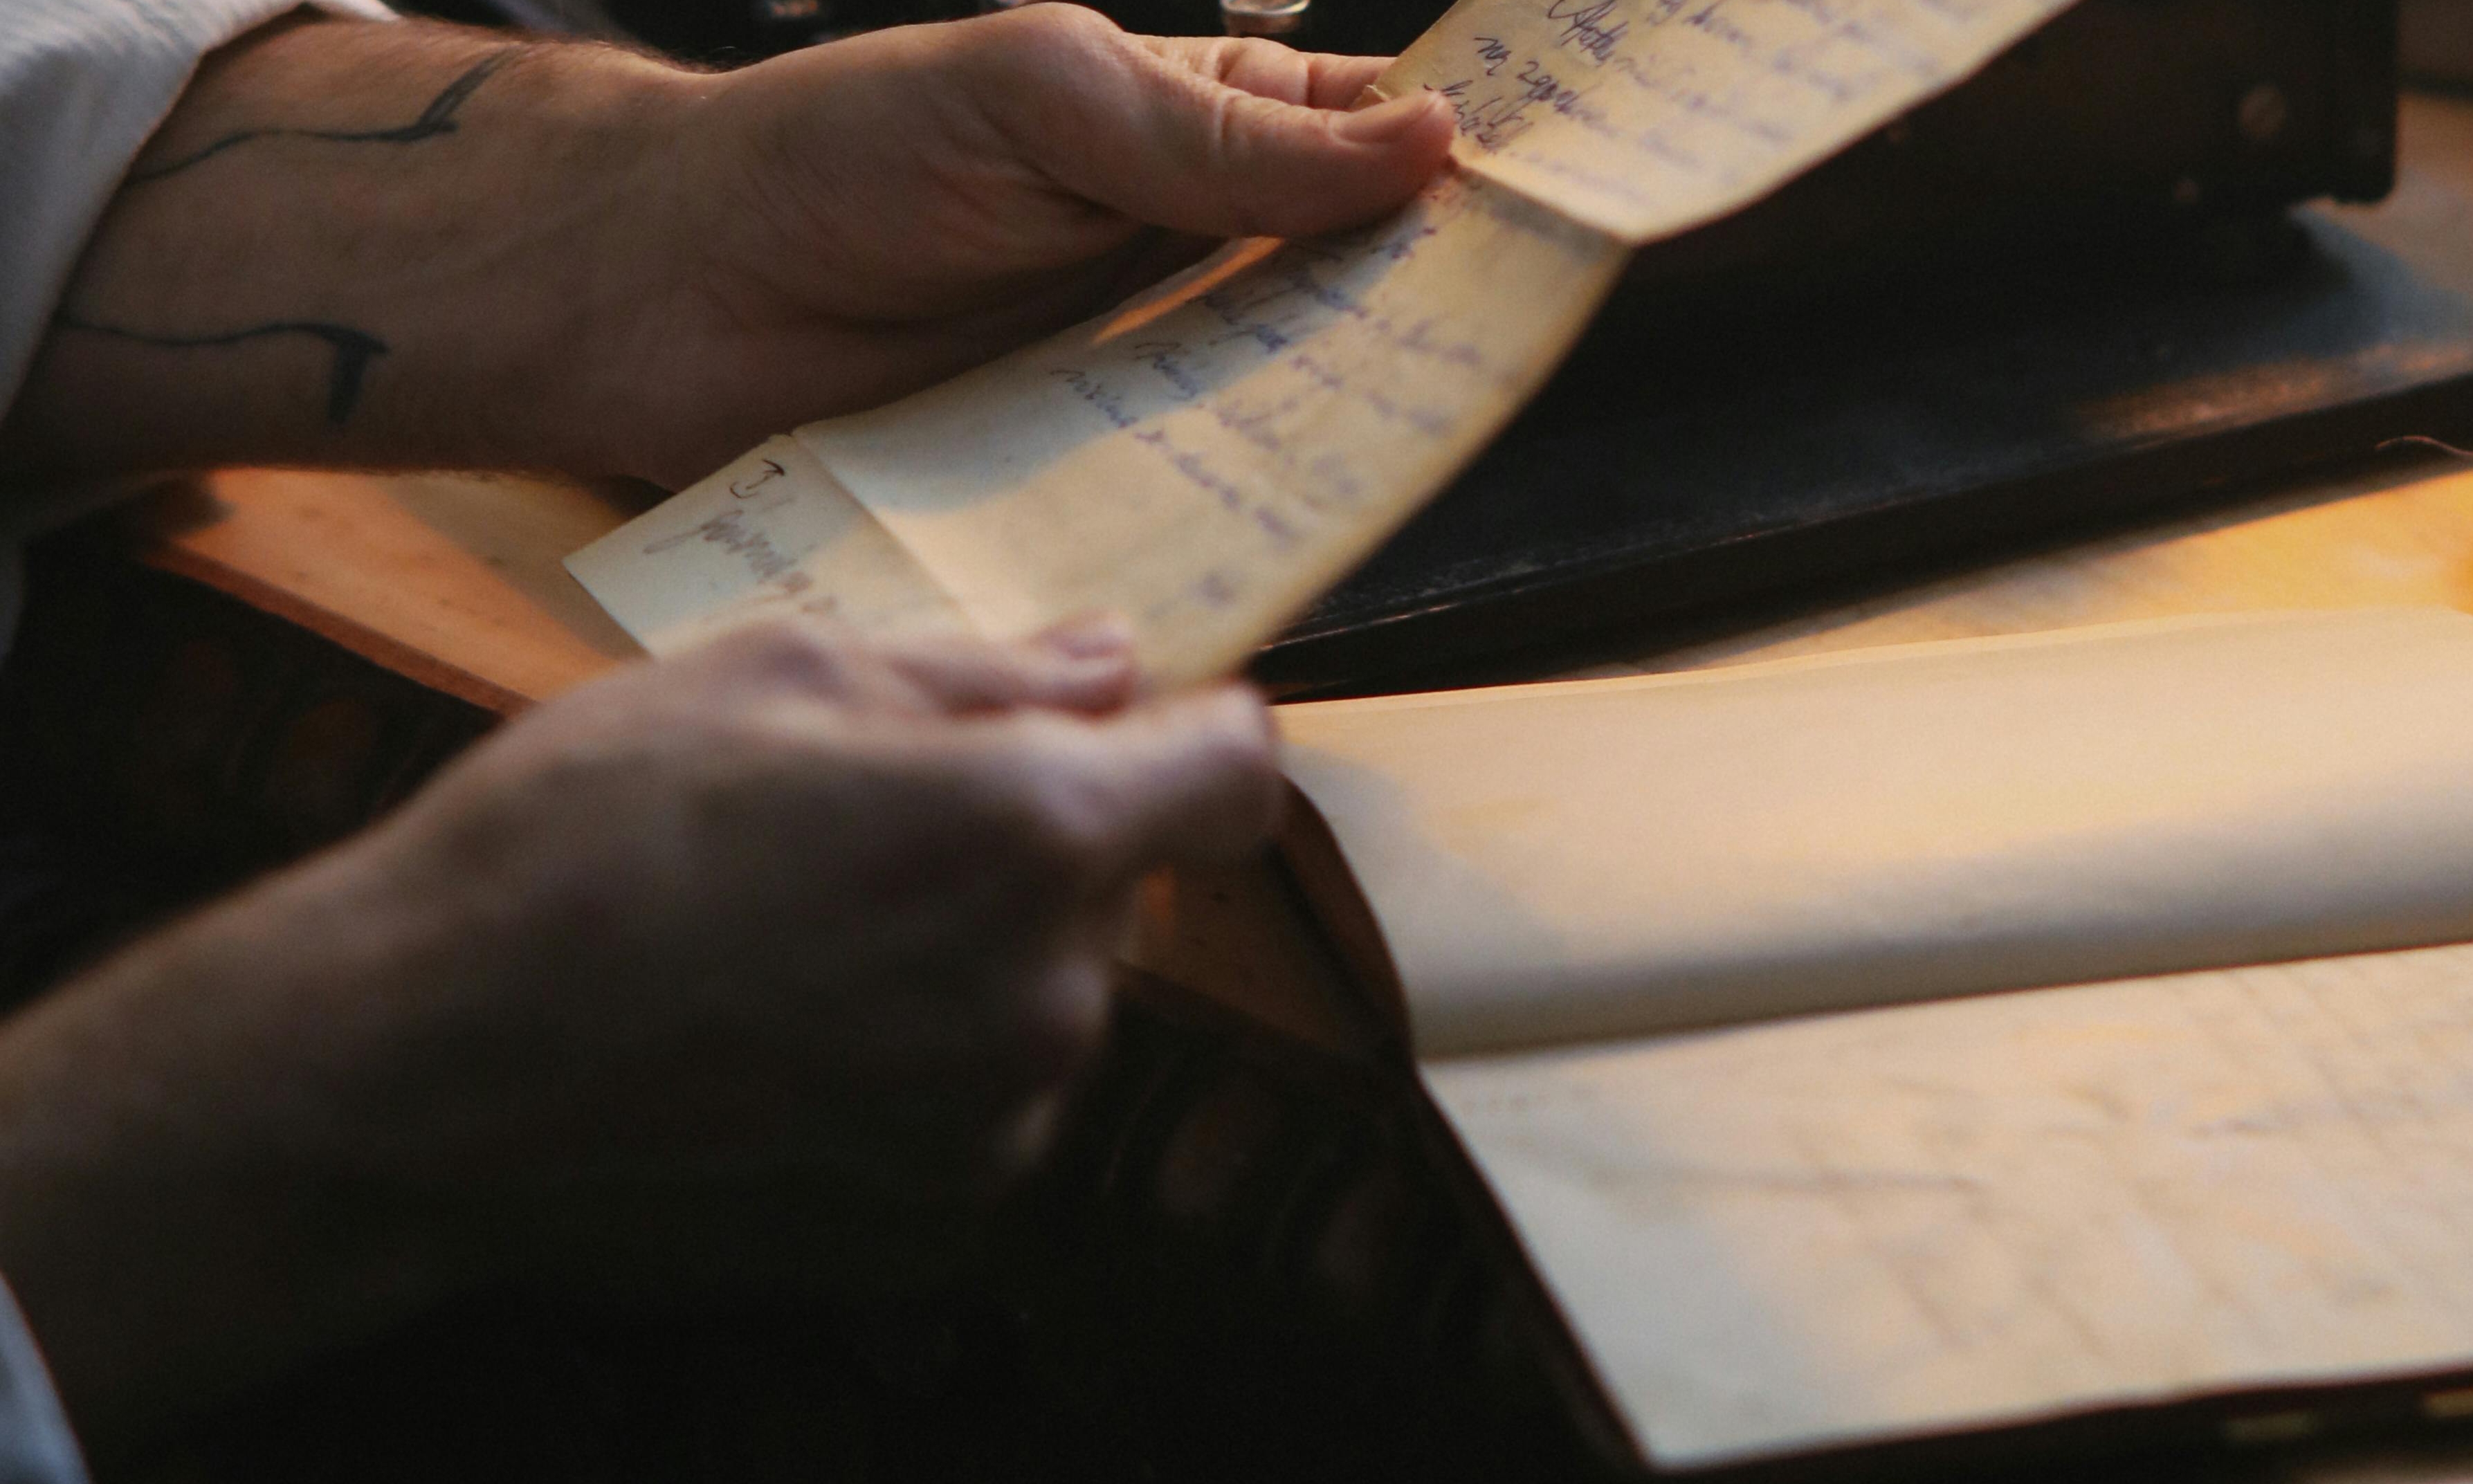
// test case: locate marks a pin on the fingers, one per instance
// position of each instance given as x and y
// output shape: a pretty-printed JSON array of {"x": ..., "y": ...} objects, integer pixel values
[
  {"x": 1316, "y": 80},
  {"x": 1085, "y": 664},
  {"x": 1185, "y": 779},
  {"x": 1091, "y": 635},
  {"x": 1105, "y": 795},
  {"x": 1204, "y": 781},
  {"x": 1223, "y": 139}
]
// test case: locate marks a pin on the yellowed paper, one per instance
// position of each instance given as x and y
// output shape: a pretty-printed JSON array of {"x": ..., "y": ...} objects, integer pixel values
[
  {"x": 1989, "y": 1210},
  {"x": 1214, "y": 456},
  {"x": 1571, "y": 862},
  {"x": 1210, "y": 457},
  {"x": 769, "y": 536},
  {"x": 1644, "y": 118}
]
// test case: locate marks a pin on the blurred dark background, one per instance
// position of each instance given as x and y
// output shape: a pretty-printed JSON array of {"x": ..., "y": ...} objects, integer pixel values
[
  {"x": 2438, "y": 33},
  {"x": 727, "y": 32}
]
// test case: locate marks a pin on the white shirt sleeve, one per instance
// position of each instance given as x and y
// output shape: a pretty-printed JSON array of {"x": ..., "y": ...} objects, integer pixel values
[
  {"x": 83, "y": 84},
  {"x": 35, "y": 1443}
]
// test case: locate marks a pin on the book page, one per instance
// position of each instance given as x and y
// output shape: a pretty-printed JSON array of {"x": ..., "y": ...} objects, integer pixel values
[
  {"x": 1983, "y": 1211},
  {"x": 1604, "y": 858},
  {"x": 1644, "y": 118}
]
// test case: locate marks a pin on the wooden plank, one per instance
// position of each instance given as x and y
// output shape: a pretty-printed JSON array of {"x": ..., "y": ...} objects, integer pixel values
[{"x": 450, "y": 580}]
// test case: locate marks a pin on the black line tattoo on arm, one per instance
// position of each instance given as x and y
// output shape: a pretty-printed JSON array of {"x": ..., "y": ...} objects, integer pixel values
[
  {"x": 439, "y": 118},
  {"x": 354, "y": 350}
]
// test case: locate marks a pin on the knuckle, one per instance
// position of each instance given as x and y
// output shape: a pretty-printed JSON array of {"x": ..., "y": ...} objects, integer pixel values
[
  {"x": 943, "y": 648},
  {"x": 1251, "y": 748},
  {"x": 1068, "y": 822},
  {"x": 1225, "y": 747},
  {"x": 1254, "y": 57},
  {"x": 778, "y": 652},
  {"x": 1068, "y": 25},
  {"x": 1243, "y": 135},
  {"x": 1224, "y": 130},
  {"x": 745, "y": 749},
  {"x": 1060, "y": 1022},
  {"x": 1053, "y": 42},
  {"x": 1215, "y": 58},
  {"x": 960, "y": 667}
]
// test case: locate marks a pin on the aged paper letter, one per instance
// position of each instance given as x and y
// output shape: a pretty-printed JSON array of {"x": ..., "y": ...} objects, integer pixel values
[
  {"x": 770, "y": 535},
  {"x": 1205, "y": 460},
  {"x": 1644, "y": 118},
  {"x": 1211, "y": 457}
]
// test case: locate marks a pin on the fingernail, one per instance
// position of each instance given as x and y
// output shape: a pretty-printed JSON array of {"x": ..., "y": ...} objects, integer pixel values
[
  {"x": 1097, "y": 635},
  {"x": 1385, "y": 123}
]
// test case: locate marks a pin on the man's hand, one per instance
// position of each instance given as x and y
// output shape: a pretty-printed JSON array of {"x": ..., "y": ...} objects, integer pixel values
[
  {"x": 415, "y": 245},
  {"x": 927, "y": 197},
  {"x": 780, "y": 954}
]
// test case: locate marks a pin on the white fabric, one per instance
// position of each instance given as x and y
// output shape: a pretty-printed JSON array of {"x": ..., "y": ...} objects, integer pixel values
[
  {"x": 83, "y": 84},
  {"x": 35, "y": 1443}
]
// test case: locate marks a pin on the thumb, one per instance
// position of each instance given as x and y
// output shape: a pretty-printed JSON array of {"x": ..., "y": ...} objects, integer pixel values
[{"x": 1162, "y": 135}]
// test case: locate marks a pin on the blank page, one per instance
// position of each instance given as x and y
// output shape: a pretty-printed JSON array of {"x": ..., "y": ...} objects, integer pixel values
[{"x": 1573, "y": 862}]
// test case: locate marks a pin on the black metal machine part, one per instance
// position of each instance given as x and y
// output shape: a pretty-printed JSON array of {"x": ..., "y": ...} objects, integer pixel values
[
  {"x": 1991, "y": 322},
  {"x": 725, "y": 32}
]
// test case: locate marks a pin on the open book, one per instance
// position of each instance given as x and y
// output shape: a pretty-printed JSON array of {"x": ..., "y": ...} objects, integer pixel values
[{"x": 2225, "y": 1162}]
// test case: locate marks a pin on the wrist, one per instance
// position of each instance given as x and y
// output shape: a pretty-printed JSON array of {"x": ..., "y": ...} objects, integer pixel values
[{"x": 537, "y": 340}]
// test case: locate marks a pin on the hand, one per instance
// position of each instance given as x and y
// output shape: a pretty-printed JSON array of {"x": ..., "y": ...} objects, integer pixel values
[
  {"x": 869, "y": 217},
  {"x": 415, "y": 245},
  {"x": 781, "y": 950},
  {"x": 791, "y": 913}
]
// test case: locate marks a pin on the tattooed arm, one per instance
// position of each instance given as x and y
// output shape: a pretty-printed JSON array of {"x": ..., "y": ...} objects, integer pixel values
[
  {"x": 373, "y": 245},
  {"x": 322, "y": 188}
]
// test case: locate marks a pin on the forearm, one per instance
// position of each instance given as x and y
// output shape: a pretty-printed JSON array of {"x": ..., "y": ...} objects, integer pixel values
[
  {"x": 360, "y": 244},
  {"x": 191, "y": 1196},
  {"x": 376, "y": 245}
]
